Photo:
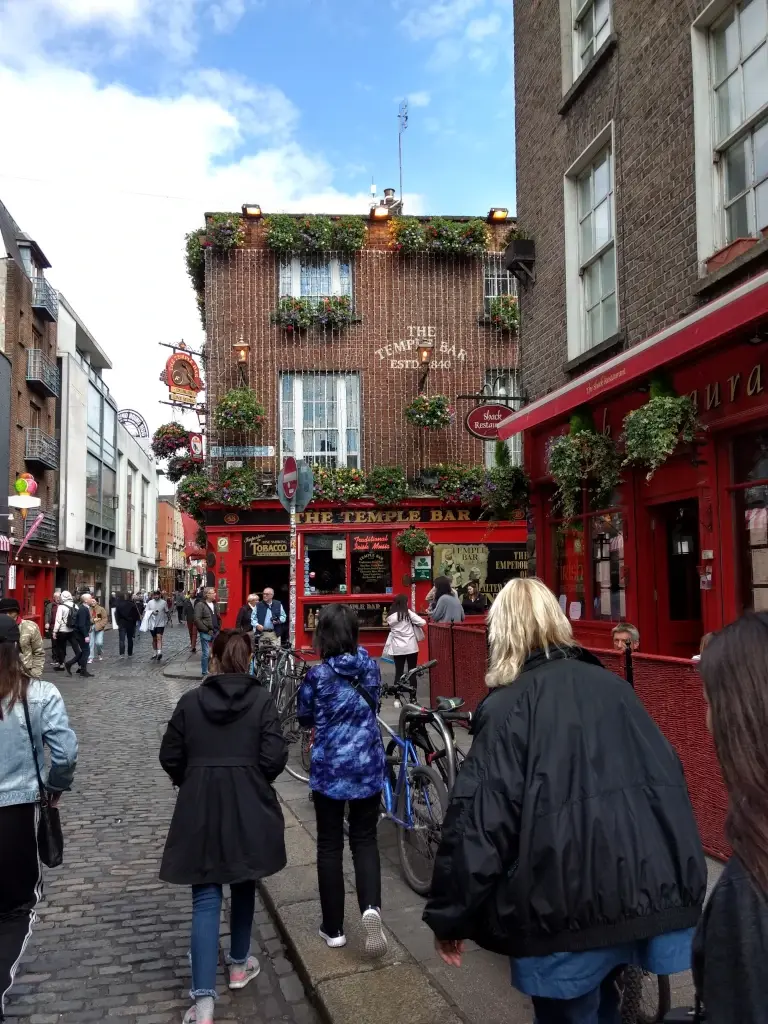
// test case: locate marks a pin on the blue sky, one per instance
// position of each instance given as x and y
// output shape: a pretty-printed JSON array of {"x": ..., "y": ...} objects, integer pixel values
[{"x": 156, "y": 110}]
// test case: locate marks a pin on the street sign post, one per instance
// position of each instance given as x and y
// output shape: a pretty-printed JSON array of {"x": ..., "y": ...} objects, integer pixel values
[{"x": 295, "y": 486}]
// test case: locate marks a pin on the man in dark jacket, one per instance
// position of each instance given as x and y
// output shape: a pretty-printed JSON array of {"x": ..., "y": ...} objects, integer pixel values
[
  {"x": 570, "y": 828},
  {"x": 208, "y": 625},
  {"x": 82, "y": 632},
  {"x": 245, "y": 615},
  {"x": 127, "y": 618},
  {"x": 269, "y": 618}
]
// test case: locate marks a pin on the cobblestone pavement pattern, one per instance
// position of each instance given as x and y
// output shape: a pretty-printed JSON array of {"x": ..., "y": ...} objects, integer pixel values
[{"x": 111, "y": 942}]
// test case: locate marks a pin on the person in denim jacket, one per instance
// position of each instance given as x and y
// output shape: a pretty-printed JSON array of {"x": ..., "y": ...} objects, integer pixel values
[
  {"x": 338, "y": 699},
  {"x": 20, "y": 873}
]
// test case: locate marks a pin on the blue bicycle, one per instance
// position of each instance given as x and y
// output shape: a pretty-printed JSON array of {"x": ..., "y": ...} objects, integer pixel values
[{"x": 414, "y": 799}]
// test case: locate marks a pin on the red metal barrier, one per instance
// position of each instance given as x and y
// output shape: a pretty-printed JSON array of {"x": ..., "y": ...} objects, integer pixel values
[{"x": 670, "y": 689}]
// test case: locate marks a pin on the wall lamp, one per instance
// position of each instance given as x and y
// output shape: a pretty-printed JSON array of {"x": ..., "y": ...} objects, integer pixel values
[
  {"x": 426, "y": 348},
  {"x": 381, "y": 212},
  {"x": 252, "y": 211},
  {"x": 242, "y": 350},
  {"x": 497, "y": 215}
]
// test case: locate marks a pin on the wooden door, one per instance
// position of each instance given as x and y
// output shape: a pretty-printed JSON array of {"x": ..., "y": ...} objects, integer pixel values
[{"x": 675, "y": 532}]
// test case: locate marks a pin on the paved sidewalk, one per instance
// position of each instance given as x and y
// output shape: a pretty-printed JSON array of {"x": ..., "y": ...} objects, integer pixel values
[{"x": 111, "y": 943}]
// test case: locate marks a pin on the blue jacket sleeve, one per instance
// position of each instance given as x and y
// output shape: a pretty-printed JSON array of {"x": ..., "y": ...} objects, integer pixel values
[
  {"x": 61, "y": 741},
  {"x": 373, "y": 681},
  {"x": 306, "y": 701}
]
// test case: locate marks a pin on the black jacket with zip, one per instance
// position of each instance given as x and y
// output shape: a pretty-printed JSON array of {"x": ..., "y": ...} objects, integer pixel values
[
  {"x": 223, "y": 748},
  {"x": 570, "y": 826}
]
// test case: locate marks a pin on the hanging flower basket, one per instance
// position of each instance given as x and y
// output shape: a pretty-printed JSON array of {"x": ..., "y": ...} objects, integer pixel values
[
  {"x": 504, "y": 313},
  {"x": 506, "y": 492},
  {"x": 169, "y": 439},
  {"x": 239, "y": 487},
  {"x": 453, "y": 483},
  {"x": 583, "y": 456},
  {"x": 223, "y": 232},
  {"x": 180, "y": 466},
  {"x": 653, "y": 432},
  {"x": 387, "y": 484},
  {"x": 340, "y": 484},
  {"x": 194, "y": 491},
  {"x": 413, "y": 541},
  {"x": 239, "y": 410},
  {"x": 430, "y": 413}
]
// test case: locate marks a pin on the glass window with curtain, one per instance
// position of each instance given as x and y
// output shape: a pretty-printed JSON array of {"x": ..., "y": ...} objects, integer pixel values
[
  {"x": 320, "y": 418},
  {"x": 750, "y": 497},
  {"x": 315, "y": 278},
  {"x": 497, "y": 280}
]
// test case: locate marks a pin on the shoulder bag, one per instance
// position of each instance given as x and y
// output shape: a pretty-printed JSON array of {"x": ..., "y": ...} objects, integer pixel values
[
  {"x": 418, "y": 632},
  {"x": 50, "y": 841}
]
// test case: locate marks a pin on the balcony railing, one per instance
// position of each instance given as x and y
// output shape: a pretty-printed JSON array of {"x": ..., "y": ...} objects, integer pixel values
[
  {"x": 41, "y": 448},
  {"x": 48, "y": 530},
  {"x": 45, "y": 301},
  {"x": 43, "y": 374}
]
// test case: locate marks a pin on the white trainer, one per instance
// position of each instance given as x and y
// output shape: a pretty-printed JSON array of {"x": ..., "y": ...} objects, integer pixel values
[{"x": 375, "y": 939}]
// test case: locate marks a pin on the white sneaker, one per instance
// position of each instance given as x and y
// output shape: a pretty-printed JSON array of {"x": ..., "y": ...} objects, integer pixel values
[
  {"x": 375, "y": 939},
  {"x": 333, "y": 941},
  {"x": 241, "y": 974}
]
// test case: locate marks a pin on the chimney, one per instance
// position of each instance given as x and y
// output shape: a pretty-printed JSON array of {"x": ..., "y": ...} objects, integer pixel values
[{"x": 389, "y": 196}]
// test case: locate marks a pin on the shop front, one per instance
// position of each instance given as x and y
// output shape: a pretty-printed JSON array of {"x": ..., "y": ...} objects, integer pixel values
[
  {"x": 30, "y": 579},
  {"x": 349, "y": 554},
  {"x": 685, "y": 552},
  {"x": 78, "y": 571}
]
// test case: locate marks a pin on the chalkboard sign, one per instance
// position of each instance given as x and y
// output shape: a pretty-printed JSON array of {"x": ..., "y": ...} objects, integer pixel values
[{"x": 371, "y": 558}]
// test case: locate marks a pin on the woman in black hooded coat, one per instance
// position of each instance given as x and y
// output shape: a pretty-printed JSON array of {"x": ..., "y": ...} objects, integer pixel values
[{"x": 223, "y": 748}]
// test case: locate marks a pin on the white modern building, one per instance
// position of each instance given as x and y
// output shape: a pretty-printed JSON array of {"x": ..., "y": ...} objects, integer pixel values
[{"x": 108, "y": 487}]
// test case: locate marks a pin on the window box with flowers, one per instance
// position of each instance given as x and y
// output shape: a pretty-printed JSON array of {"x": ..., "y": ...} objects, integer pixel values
[
  {"x": 387, "y": 485},
  {"x": 312, "y": 234},
  {"x": 503, "y": 314},
  {"x": 413, "y": 541},
  {"x": 223, "y": 232},
  {"x": 430, "y": 413},
  {"x": 331, "y": 312},
  {"x": 169, "y": 439},
  {"x": 452, "y": 483},
  {"x": 239, "y": 410},
  {"x": 338, "y": 484},
  {"x": 440, "y": 237}
]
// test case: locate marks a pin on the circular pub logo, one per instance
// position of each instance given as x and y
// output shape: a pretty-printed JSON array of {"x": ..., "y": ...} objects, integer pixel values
[{"x": 231, "y": 518}]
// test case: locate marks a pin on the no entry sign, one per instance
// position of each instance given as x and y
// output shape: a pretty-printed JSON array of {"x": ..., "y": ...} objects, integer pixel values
[{"x": 290, "y": 478}]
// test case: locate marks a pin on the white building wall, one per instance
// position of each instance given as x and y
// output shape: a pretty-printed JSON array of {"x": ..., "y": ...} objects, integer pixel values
[
  {"x": 74, "y": 393},
  {"x": 141, "y": 564}
]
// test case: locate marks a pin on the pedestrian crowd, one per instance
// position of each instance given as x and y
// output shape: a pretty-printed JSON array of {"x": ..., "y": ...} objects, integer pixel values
[{"x": 569, "y": 845}]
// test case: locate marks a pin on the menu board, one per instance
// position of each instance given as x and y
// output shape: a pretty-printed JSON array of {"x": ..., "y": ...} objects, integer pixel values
[{"x": 371, "y": 558}]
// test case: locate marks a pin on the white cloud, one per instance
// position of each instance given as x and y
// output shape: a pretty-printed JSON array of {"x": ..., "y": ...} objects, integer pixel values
[
  {"x": 481, "y": 28},
  {"x": 115, "y": 243},
  {"x": 226, "y": 14},
  {"x": 419, "y": 99},
  {"x": 477, "y": 31},
  {"x": 438, "y": 19}
]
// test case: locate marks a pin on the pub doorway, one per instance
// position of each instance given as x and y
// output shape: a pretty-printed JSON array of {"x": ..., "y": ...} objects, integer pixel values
[
  {"x": 270, "y": 574},
  {"x": 677, "y": 591}
]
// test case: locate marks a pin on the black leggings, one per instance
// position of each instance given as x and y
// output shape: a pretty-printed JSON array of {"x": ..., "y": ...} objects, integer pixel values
[
  {"x": 402, "y": 659},
  {"x": 363, "y": 822},
  {"x": 20, "y": 888}
]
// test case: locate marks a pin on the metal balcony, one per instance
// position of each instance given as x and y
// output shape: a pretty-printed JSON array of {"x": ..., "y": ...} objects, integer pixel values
[
  {"x": 43, "y": 374},
  {"x": 47, "y": 532},
  {"x": 45, "y": 301},
  {"x": 41, "y": 449}
]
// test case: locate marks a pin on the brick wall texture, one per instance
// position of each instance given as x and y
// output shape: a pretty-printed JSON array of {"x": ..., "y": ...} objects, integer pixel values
[
  {"x": 25, "y": 330},
  {"x": 396, "y": 298},
  {"x": 645, "y": 87}
]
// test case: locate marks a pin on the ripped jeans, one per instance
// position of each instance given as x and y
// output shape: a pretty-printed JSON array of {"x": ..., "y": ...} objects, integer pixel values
[{"x": 206, "y": 917}]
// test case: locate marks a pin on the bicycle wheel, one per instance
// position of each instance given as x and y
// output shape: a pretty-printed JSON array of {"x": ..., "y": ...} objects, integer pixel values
[
  {"x": 299, "y": 742},
  {"x": 645, "y": 998},
  {"x": 417, "y": 846}
]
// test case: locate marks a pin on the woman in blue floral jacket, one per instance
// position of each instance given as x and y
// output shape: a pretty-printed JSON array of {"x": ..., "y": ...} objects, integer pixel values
[{"x": 339, "y": 698}]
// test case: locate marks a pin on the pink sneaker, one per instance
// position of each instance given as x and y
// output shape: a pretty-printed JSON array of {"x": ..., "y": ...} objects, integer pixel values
[
  {"x": 241, "y": 974},
  {"x": 190, "y": 1017}
]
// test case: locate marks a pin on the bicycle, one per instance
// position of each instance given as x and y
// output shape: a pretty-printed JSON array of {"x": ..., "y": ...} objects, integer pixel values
[
  {"x": 645, "y": 998},
  {"x": 430, "y": 729}
]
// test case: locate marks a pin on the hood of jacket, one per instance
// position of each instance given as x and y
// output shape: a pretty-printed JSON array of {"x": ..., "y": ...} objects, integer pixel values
[
  {"x": 226, "y": 698},
  {"x": 350, "y": 665}
]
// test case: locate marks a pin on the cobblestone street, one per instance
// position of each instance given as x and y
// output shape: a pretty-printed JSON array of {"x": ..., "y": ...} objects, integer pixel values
[{"x": 112, "y": 940}]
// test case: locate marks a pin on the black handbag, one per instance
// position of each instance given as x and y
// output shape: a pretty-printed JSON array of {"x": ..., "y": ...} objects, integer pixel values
[{"x": 50, "y": 841}]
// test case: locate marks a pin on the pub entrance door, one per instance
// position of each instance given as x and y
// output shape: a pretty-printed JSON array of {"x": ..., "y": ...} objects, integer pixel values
[{"x": 677, "y": 594}]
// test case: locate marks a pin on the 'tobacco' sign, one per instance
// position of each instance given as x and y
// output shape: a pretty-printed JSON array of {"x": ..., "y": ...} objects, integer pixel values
[{"x": 485, "y": 420}]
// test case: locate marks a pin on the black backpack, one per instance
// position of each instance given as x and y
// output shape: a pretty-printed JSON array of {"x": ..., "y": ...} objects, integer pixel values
[{"x": 71, "y": 617}]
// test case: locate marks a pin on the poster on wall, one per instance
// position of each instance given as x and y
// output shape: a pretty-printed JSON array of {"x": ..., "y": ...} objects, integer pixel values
[{"x": 488, "y": 565}]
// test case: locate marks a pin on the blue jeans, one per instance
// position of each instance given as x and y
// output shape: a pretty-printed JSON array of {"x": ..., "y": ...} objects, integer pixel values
[
  {"x": 205, "y": 647},
  {"x": 97, "y": 644},
  {"x": 600, "y": 1006},
  {"x": 206, "y": 916}
]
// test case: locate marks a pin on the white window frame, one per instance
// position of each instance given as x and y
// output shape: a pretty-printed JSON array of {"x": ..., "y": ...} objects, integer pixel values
[
  {"x": 342, "y": 419},
  {"x": 711, "y": 229},
  {"x": 335, "y": 267},
  {"x": 581, "y": 9},
  {"x": 574, "y": 280},
  {"x": 514, "y": 443},
  {"x": 495, "y": 272}
]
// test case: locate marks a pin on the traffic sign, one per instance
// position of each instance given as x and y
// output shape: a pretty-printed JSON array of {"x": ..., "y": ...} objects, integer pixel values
[
  {"x": 290, "y": 478},
  {"x": 304, "y": 491}
]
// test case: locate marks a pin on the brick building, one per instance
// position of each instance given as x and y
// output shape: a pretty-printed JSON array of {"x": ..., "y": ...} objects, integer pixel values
[
  {"x": 172, "y": 562},
  {"x": 28, "y": 314},
  {"x": 336, "y": 398},
  {"x": 650, "y": 264}
]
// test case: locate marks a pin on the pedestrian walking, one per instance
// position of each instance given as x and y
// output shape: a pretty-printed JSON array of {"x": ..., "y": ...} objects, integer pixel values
[
  {"x": 154, "y": 622},
  {"x": 99, "y": 620},
  {"x": 223, "y": 748},
  {"x": 208, "y": 625},
  {"x": 31, "y": 650},
  {"x": 446, "y": 606},
  {"x": 58, "y": 645},
  {"x": 339, "y": 699},
  {"x": 474, "y": 602},
  {"x": 127, "y": 618},
  {"x": 244, "y": 620},
  {"x": 64, "y": 629},
  {"x": 31, "y": 712},
  {"x": 569, "y": 843},
  {"x": 113, "y": 599},
  {"x": 730, "y": 944},
  {"x": 405, "y": 633},
  {"x": 268, "y": 618},
  {"x": 81, "y": 636},
  {"x": 178, "y": 601},
  {"x": 189, "y": 616}
]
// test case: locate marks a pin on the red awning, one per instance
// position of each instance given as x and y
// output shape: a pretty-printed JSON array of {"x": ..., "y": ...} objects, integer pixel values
[{"x": 735, "y": 310}]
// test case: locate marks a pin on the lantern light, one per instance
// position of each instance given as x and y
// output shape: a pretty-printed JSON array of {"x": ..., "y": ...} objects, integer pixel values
[
  {"x": 498, "y": 214},
  {"x": 381, "y": 212},
  {"x": 425, "y": 353},
  {"x": 252, "y": 211}
]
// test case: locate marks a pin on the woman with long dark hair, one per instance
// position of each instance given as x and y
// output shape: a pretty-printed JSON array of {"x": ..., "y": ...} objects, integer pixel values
[
  {"x": 30, "y": 711},
  {"x": 223, "y": 748},
  {"x": 474, "y": 602},
  {"x": 339, "y": 699},
  {"x": 403, "y": 640},
  {"x": 729, "y": 961},
  {"x": 446, "y": 606}
]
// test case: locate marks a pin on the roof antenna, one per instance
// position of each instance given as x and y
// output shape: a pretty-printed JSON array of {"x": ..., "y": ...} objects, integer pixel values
[{"x": 402, "y": 118}]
